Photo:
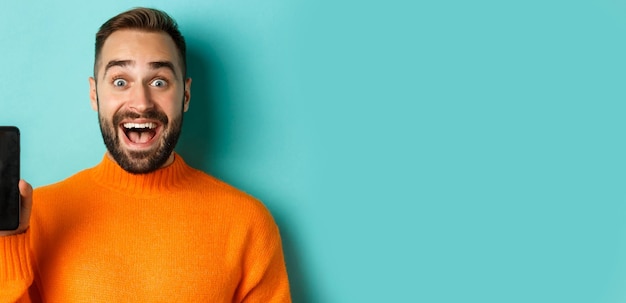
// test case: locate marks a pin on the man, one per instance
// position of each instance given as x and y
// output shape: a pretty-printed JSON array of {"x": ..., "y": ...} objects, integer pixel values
[{"x": 141, "y": 226}]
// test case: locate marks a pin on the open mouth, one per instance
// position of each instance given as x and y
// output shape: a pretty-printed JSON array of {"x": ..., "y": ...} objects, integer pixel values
[{"x": 140, "y": 133}]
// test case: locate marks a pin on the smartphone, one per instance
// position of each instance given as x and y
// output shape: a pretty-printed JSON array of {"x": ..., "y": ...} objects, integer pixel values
[{"x": 9, "y": 177}]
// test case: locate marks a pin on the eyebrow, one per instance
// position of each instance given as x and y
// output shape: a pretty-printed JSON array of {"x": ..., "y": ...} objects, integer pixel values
[
  {"x": 120, "y": 63},
  {"x": 153, "y": 65},
  {"x": 163, "y": 64}
]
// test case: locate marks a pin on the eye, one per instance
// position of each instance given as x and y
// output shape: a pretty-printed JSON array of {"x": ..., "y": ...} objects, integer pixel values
[
  {"x": 158, "y": 83},
  {"x": 119, "y": 82}
]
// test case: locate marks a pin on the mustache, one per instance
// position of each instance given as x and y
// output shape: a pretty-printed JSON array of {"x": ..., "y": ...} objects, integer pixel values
[{"x": 151, "y": 114}]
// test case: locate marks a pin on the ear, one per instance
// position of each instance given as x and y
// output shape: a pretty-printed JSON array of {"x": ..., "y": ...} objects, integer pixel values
[
  {"x": 187, "y": 94},
  {"x": 93, "y": 93}
]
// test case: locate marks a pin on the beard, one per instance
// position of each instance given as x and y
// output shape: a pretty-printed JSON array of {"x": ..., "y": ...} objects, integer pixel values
[{"x": 141, "y": 162}]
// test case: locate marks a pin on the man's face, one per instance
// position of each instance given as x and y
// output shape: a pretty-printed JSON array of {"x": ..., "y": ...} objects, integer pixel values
[{"x": 140, "y": 95}]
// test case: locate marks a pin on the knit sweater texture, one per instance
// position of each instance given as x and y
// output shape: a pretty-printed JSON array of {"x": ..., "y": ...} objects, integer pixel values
[{"x": 173, "y": 235}]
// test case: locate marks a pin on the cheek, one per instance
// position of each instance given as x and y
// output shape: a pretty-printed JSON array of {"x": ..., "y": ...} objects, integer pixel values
[
  {"x": 104, "y": 108},
  {"x": 107, "y": 112},
  {"x": 172, "y": 105},
  {"x": 173, "y": 112},
  {"x": 108, "y": 103}
]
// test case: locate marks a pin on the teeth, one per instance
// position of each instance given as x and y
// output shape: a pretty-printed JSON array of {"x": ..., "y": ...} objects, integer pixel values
[{"x": 149, "y": 125}]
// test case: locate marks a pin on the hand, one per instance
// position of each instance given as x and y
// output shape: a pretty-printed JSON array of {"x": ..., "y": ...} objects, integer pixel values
[{"x": 26, "y": 191}]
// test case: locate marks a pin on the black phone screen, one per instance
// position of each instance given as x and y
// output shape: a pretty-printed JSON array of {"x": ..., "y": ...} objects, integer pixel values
[{"x": 9, "y": 177}]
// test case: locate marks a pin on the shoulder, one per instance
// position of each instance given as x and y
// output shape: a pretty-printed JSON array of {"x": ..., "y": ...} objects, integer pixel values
[
  {"x": 242, "y": 205},
  {"x": 75, "y": 183},
  {"x": 217, "y": 186}
]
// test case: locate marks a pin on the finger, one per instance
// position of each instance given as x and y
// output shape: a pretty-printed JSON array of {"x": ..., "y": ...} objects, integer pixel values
[
  {"x": 26, "y": 190},
  {"x": 26, "y": 193}
]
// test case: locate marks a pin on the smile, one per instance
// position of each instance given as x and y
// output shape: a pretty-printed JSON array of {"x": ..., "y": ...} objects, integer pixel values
[{"x": 140, "y": 134}]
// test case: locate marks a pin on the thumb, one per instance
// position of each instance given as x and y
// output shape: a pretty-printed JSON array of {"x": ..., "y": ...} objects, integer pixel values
[{"x": 26, "y": 193}]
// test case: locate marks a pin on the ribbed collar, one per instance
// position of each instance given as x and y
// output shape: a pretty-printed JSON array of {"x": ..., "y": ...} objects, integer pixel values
[{"x": 109, "y": 174}]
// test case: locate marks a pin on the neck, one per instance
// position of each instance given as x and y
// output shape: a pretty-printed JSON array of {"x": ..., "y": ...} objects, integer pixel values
[
  {"x": 173, "y": 174},
  {"x": 167, "y": 163}
]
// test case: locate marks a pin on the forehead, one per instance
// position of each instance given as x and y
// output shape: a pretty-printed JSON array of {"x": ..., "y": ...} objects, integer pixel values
[{"x": 141, "y": 47}]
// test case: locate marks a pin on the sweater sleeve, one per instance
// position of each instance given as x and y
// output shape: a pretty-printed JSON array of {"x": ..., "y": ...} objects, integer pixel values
[
  {"x": 16, "y": 272},
  {"x": 264, "y": 271}
]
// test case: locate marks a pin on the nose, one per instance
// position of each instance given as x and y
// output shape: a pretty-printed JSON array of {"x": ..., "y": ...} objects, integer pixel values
[{"x": 140, "y": 99}]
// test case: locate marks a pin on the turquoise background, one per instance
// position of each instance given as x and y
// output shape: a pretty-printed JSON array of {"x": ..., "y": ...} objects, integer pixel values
[{"x": 410, "y": 151}]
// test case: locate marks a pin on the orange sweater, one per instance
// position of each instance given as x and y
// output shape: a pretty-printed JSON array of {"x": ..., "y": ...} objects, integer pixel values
[{"x": 175, "y": 235}]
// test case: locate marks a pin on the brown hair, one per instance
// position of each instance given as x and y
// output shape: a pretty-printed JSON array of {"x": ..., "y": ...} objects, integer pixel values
[{"x": 145, "y": 19}]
